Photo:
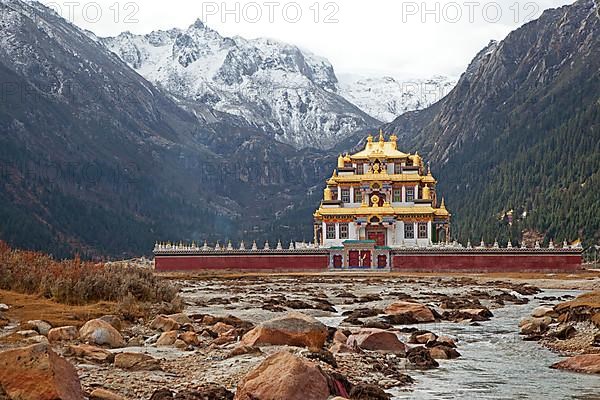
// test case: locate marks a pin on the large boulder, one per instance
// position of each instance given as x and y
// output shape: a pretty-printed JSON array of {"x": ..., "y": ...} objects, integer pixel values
[
  {"x": 137, "y": 362},
  {"x": 284, "y": 376},
  {"x": 293, "y": 329},
  {"x": 97, "y": 331},
  {"x": 90, "y": 353},
  {"x": 587, "y": 363},
  {"x": 376, "y": 340},
  {"x": 165, "y": 324},
  {"x": 38, "y": 373},
  {"x": 410, "y": 312},
  {"x": 63, "y": 333}
]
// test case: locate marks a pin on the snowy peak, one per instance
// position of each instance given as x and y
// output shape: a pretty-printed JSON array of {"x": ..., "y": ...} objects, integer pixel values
[
  {"x": 287, "y": 92},
  {"x": 386, "y": 98}
]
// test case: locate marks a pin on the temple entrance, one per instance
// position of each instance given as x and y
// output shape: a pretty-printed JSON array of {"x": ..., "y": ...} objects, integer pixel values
[
  {"x": 377, "y": 234},
  {"x": 359, "y": 259}
]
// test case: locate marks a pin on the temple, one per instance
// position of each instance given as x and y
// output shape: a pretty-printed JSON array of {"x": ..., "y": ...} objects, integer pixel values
[
  {"x": 383, "y": 195},
  {"x": 380, "y": 212}
]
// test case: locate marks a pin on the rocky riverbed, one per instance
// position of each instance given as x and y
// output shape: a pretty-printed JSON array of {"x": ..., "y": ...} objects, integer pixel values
[{"x": 312, "y": 337}]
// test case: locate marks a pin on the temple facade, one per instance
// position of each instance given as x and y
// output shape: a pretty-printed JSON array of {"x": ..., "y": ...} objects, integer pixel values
[
  {"x": 380, "y": 212},
  {"x": 383, "y": 196}
]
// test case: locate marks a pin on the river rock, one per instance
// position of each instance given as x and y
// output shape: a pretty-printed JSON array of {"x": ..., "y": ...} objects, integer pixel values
[
  {"x": 63, "y": 333},
  {"x": 292, "y": 329},
  {"x": 190, "y": 338},
  {"x": 587, "y": 363},
  {"x": 339, "y": 337},
  {"x": 284, "y": 376},
  {"x": 164, "y": 323},
  {"x": 220, "y": 328},
  {"x": 377, "y": 340},
  {"x": 542, "y": 311},
  {"x": 167, "y": 339},
  {"x": 103, "y": 394},
  {"x": 137, "y": 362},
  {"x": 415, "y": 312},
  {"x": 338, "y": 348},
  {"x": 421, "y": 358},
  {"x": 38, "y": 373},
  {"x": 180, "y": 318},
  {"x": 4, "y": 307},
  {"x": 42, "y": 327},
  {"x": 422, "y": 337},
  {"x": 243, "y": 350},
  {"x": 28, "y": 333},
  {"x": 534, "y": 326},
  {"x": 97, "y": 331},
  {"x": 441, "y": 352},
  {"x": 113, "y": 320},
  {"x": 365, "y": 391},
  {"x": 90, "y": 353}
]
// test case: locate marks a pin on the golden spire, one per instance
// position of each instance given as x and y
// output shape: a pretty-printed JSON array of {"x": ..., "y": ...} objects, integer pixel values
[
  {"x": 381, "y": 138},
  {"x": 443, "y": 205},
  {"x": 340, "y": 161},
  {"x": 347, "y": 158},
  {"x": 394, "y": 141},
  {"x": 370, "y": 139},
  {"x": 327, "y": 195},
  {"x": 426, "y": 192}
]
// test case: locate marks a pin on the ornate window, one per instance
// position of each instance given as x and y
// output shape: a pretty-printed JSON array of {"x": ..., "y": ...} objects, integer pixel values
[
  {"x": 360, "y": 169},
  {"x": 409, "y": 230},
  {"x": 345, "y": 195},
  {"x": 343, "y": 231},
  {"x": 358, "y": 197},
  {"x": 397, "y": 168},
  {"x": 410, "y": 194},
  {"x": 397, "y": 196},
  {"x": 422, "y": 230},
  {"x": 330, "y": 231}
]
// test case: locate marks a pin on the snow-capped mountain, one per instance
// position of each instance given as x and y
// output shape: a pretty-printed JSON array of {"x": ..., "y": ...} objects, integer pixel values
[
  {"x": 386, "y": 98},
  {"x": 275, "y": 86}
]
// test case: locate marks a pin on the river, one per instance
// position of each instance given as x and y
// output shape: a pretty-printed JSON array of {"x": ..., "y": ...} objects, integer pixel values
[{"x": 497, "y": 364}]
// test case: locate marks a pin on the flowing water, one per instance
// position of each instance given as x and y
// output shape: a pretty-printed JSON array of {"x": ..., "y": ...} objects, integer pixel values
[{"x": 497, "y": 364}]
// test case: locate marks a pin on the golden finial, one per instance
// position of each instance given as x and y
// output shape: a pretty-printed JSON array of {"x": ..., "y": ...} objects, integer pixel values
[
  {"x": 341, "y": 161},
  {"x": 327, "y": 194},
  {"x": 443, "y": 204},
  {"x": 347, "y": 158},
  {"x": 426, "y": 192},
  {"x": 370, "y": 139},
  {"x": 381, "y": 138}
]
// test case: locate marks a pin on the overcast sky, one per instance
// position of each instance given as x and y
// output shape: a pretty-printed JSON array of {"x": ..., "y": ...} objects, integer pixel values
[{"x": 404, "y": 39}]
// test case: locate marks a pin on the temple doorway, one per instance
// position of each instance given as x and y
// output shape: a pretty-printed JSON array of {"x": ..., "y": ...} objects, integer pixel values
[{"x": 377, "y": 234}]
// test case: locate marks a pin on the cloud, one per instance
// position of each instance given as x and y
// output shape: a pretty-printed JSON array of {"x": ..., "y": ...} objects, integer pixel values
[{"x": 380, "y": 37}]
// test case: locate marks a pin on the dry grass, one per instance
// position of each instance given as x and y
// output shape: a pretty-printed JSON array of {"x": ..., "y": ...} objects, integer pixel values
[
  {"x": 77, "y": 282},
  {"x": 26, "y": 307}
]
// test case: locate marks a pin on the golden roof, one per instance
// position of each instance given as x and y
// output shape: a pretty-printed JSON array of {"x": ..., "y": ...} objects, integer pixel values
[
  {"x": 380, "y": 149},
  {"x": 385, "y": 210}
]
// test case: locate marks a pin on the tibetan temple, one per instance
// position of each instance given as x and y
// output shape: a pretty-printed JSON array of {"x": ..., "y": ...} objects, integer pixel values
[{"x": 380, "y": 212}]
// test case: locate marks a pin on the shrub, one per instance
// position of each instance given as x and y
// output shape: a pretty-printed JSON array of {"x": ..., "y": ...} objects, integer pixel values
[{"x": 79, "y": 282}]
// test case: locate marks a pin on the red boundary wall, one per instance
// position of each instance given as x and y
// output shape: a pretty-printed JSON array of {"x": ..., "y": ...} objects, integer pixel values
[
  {"x": 422, "y": 261},
  {"x": 256, "y": 262},
  {"x": 487, "y": 262}
]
